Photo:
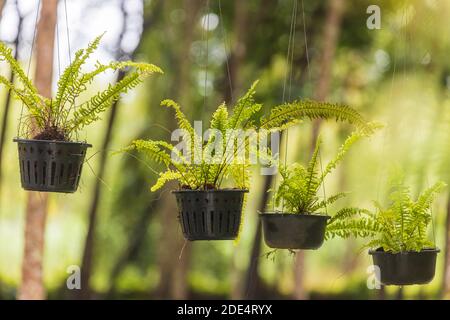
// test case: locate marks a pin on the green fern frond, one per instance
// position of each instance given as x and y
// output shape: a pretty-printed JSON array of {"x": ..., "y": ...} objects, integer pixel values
[
  {"x": 165, "y": 177},
  {"x": 244, "y": 109},
  {"x": 152, "y": 149},
  {"x": 6, "y": 55},
  {"x": 89, "y": 111},
  {"x": 328, "y": 201},
  {"x": 355, "y": 136},
  {"x": 219, "y": 119},
  {"x": 68, "y": 84},
  {"x": 288, "y": 114}
]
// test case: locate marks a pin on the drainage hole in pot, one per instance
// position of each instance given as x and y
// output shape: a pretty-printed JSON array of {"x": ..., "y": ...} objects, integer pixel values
[
  {"x": 220, "y": 221},
  {"x": 53, "y": 172},
  {"x": 23, "y": 168},
  {"x": 186, "y": 214},
  {"x": 203, "y": 222},
  {"x": 44, "y": 173},
  {"x": 197, "y": 199},
  {"x": 232, "y": 222},
  {"x": 212, "y": 221},
  {"x": 28, "y": 171},
  {"x": 194, "y": 219},
  {"x": 50, "y": 152},
  {"x": 70, "y": 175},
  {"x": 77, "y": 175},
  {"x": 61, "y": 173},
  {"x": 36, "y": 172}
]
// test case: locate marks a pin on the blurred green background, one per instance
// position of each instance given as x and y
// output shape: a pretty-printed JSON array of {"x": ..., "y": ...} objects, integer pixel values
[{"x": 398, "y": 75}]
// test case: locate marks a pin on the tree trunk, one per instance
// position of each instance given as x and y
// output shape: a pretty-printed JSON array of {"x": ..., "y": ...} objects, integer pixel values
[
  {"x": 445, "y": 287},
  {"x": 86, "y": 266},
  {"x": 173, "y": 267},
  {"x": 2, "y": 3},
  {"x": 330, "y": 38},
  {"x": 9, "y": 99},
  {"x": 32, "y": 286},
  {"x": 253, "y": 281},
  {"x": 237, "y": 56}
]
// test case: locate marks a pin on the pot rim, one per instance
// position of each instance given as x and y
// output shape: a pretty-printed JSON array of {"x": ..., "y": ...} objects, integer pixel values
[
  {"x": 280, "y": 214},
  {"x": 29, "y": 141},
  {"x": 425, "y": 250},
  {"x": 211, "y": 191}
]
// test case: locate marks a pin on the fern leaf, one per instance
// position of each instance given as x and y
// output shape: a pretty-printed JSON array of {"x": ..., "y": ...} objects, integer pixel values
[
  {"x": 165, "y": 177},
  {"x": 288, "y": 114}
]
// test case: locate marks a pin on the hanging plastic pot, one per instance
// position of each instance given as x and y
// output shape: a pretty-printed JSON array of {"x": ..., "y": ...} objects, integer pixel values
[
  {"x": 51, "y": 166},
  {"x": 293, "y": 231},
  {"x": 405, "y": 268},
  {"x": 210, "y": 214}
]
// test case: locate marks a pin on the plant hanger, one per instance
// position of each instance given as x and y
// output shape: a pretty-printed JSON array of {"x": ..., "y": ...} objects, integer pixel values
[
  {"x": 304, "y": 226},
  {"x": 49, "y": 160},
  {"x": 286, "y": 230}
]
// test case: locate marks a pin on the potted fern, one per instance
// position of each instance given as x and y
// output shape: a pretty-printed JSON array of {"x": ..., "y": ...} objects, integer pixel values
[
  {"x": 49, "y": 158},
  {"x": 206, "y": 209},
  {"x": 399, "y": 243},
  {"x": 304, "y": 224},
  {"x": 401, "y": 248}
]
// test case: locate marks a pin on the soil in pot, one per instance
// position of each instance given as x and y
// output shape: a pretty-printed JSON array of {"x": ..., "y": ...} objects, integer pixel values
[
  {"x": 294, "y": 231},
  {"x": 405, "y": 268},
  {"x": 210, "y": 214},
  {"x": 51, "y": 166}
]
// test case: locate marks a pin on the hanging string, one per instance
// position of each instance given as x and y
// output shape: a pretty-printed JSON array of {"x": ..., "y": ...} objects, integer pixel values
[
  {"x": 29, "y": 63},
  {"x": 67, "y": 32},
  {"x": 288, "y": 75},
  {"x": 306, "y": 40},
  {"x": 57, "y": 48},
  {"x": 206, "y": 31},
  {"x": 290, "y": 59},
  {"x": 226, "y": 49},
  {"x": 70, "y": 55}
]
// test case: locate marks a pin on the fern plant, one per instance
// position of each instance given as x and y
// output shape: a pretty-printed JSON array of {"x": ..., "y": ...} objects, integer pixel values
[
  {"x": 201, "y": 166},
  {"x": 64, "y": 115},
  {"x": 401, "y": 226},
  {"x": 299, "y": 189}
]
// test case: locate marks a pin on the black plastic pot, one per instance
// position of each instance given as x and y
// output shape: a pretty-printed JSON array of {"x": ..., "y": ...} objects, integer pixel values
[
  {"x": 210, "y": 214},
  {"x": 293, "y": 231},
  {"x": 405, "y": 268},
  {"x": 51, "y": 166}
]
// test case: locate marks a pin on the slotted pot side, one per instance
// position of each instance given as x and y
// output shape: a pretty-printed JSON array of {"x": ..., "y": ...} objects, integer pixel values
[
  {"x": 51, "y": 166},
  {"x": 210, "y": 214}
]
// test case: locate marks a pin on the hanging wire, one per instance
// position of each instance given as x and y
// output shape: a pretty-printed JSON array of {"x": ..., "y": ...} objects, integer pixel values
[
  {"x": 287, "y": 76},
  {"x": 226, "y": 49},
  {"x": 67, "y": 31},
  {"x": 29, "y": 63},
  {"x": 206, "y": 31},
  {"x": 57, "y": 48},
  {"x": 70, "y": 54},
  {"x": 289, "y": 72},
  {"x": 306, "y": 40}
]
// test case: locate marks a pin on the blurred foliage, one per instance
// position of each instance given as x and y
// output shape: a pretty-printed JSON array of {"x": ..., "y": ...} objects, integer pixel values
[{"x": 398, "y": 75}]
